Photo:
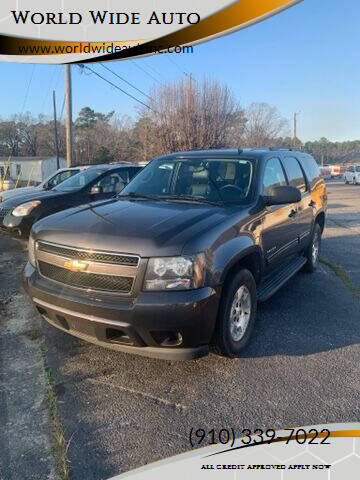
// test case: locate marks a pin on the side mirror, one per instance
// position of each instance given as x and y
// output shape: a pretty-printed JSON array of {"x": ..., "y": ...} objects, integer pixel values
[
  {"x": 283, "y": 195},
  {"x": 95, "y": 190}
]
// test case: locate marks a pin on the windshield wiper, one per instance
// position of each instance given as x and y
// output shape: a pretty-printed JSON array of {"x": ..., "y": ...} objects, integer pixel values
[
  {"x": 190, "y": 198},
  {"x": 140, "y": 196},
  {"x": 187, "y": 198}
]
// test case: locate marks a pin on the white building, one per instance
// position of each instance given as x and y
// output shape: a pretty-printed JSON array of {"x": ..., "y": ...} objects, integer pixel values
[{"x": 35, "y": 169}]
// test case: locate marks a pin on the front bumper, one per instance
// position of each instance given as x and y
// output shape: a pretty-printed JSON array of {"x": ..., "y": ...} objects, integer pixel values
[
  {"x": 19, "y": 225},
  {"x": 167, "y": 325}
]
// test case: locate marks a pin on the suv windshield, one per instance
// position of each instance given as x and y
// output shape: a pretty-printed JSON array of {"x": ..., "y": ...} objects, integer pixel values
[
  {"x": 208, "y": 179},
  {"x": 79, "y": 180}
]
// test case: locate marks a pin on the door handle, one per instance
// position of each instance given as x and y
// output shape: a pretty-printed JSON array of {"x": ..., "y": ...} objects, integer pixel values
[
  {"x": 312, "y": 203},
  {"x": 292, "y": 213}
]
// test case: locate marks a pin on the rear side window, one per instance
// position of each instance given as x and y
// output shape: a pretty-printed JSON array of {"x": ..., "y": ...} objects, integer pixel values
[
  {"x": 357, "y": 169},
  {"x": 311, "y": 168},
  {"x": 351, "y": 169},
  {"x": 295, "y": 174},
  {"x": 273, "y": 176}
]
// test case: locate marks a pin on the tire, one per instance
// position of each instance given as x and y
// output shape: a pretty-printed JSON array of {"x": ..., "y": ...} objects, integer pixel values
[
  {"x": 313, "y": 252},
  {"x": 346, "y": 182},
  {"x": 229, "y": 338}
]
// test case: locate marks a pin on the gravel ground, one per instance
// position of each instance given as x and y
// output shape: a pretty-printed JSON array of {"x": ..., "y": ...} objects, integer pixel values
[{"x": 25, "y": 432}]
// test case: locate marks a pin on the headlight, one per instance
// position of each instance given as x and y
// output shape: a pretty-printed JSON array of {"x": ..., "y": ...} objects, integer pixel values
[
  {"x": 31, "y": 248},
  {"x": 25, "y": 208},
  {"x": 175, "y": 273}
]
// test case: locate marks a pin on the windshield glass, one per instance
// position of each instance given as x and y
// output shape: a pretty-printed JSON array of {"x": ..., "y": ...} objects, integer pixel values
[
  {"x": 79, "y": 180},
  {"x": 211, "y": 179}
]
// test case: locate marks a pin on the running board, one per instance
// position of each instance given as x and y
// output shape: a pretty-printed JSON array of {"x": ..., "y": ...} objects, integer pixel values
[{"x": 269, "y": 287}]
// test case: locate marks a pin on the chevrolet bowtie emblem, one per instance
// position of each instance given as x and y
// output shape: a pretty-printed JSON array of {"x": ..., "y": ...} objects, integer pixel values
[{"x": 76, "y": 265}]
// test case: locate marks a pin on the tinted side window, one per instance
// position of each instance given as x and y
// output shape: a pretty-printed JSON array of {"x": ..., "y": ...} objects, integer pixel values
[
  {"x": 133, "y": 171},
  {"x": 357, "y": 169},
  {"x": 351, "y": 169},
  {"x": 113, "y": 182},
  {"x": 124, "y": 174},
  {"x": 311, "y": 168},
  {"x": 295, "y": 174},
  {"x": 273, "y": 175}
]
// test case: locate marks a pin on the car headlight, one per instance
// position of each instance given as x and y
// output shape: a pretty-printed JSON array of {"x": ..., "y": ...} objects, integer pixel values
[
  {"x": 31, "y": 249},
  {"x": 25, "y": 208},
  {"x": 175, "y": 273}
]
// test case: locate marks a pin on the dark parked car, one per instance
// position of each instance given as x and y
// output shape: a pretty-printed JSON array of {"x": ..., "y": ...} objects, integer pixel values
[
  {"x": 180, "y": 259},
  {"x": 19, "y": 213},
  {"x": 59, "y": 176}
]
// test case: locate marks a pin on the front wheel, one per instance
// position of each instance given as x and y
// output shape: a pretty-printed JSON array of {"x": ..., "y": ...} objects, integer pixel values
[
  {"x": 313, "y": 251},
  {"x": 237, "y": 314}
]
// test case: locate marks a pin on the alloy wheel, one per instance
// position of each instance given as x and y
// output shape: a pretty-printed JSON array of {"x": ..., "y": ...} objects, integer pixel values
[
  {"x": 240, "y": 313},
  {"x": 315, "y": 249}
]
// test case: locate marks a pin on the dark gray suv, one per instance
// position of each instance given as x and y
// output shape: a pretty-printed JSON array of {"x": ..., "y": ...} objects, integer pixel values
[{"x": 178, "y": 261}]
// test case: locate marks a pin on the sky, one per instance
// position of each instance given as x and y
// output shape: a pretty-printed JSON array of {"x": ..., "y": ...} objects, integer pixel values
[{"x": 305, "y": 59}]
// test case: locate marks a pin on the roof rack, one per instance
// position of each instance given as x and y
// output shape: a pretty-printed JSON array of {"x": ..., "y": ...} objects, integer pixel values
[
  {"x": 249, "y": 149},
  {"x": 281, "y": 148}
]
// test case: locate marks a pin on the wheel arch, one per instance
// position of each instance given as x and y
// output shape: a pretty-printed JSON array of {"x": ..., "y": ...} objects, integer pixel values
[
  {"x": 251, "y": 259},
  {"x": 320, "y": 219}
]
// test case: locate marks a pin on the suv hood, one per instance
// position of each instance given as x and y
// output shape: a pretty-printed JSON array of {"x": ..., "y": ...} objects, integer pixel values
[{"x": 146, "y": 228}]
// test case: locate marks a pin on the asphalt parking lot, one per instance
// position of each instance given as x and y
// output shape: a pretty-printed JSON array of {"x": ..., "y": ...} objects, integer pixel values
[{"x": 120, "y": 411}]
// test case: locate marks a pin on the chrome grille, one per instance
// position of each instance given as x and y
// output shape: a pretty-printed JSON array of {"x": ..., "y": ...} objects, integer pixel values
[
  {"x": 4, "y": 211},
  {"x": 90, "y": 255},
  {"x": 93, "y": 281}
]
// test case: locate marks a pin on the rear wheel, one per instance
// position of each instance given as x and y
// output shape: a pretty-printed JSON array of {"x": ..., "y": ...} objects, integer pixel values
[
  {"x": 313, "y": 251},
  {"x": 237, "y": 314}
]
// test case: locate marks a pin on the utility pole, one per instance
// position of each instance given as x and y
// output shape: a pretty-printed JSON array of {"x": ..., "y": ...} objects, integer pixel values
[
  {"x": 56, "y": 133},
  {"x": 68, "y": 121},
  {"x": 295, "y": 127}
]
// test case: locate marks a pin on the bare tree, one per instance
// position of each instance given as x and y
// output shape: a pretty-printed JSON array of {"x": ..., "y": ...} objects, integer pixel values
[
  {"x": 264, "y": 125},
  {"x": 29, "y": 130},
  {"x": 190, "y": 114},
  {"x": 10, "y": 138}
]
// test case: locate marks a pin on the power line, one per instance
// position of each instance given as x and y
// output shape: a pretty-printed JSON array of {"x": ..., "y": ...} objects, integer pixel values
[
  {"x": 115, "y": 86},
  {"x": 154, "y": 70},
  {"x": 147, "y": 73},
  {"x": 126, "y": 81},
  {"x": 59, "y": 75},
  {"x": 27, "y": 89},
  {"x": 176, "y": 65},
  {"x": 49, "y": 90}
]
